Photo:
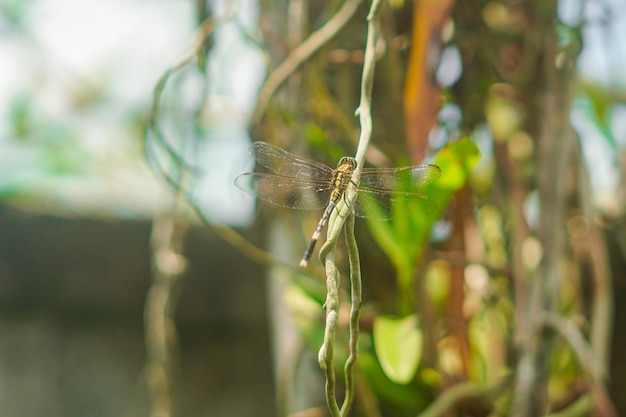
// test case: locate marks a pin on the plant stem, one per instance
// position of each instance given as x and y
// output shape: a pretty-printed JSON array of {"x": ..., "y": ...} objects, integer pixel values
[{"x": 335, "y": 224}]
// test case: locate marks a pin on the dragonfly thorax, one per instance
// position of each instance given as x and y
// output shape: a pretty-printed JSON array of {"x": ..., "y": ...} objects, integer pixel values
[{"x": 341, "y": 178}]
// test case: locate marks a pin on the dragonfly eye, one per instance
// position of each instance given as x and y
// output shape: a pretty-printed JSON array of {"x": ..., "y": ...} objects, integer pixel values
[{"x": 348, "y": 160}]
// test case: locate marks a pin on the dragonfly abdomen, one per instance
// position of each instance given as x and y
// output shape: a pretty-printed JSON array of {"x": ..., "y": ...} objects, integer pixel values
[
  {"x": 316, "y": 234},
  {"x": 340, "y": 180}
]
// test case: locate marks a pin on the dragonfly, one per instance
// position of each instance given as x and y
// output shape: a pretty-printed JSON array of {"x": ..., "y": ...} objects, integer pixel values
[{"x": 301, "y": 183}]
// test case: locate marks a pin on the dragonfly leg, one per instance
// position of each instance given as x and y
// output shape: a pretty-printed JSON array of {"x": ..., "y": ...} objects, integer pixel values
[{"x": 348, "y": 203}]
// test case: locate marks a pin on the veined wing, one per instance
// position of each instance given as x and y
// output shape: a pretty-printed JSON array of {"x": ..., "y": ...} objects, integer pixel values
[
  {"x": 382, "y": 190},
  {"x": 284, "y": 163},
  {"x": 285, "y": 191},
  {"x": 381, "y": 204},
  {"x": 406, "y": 179}
]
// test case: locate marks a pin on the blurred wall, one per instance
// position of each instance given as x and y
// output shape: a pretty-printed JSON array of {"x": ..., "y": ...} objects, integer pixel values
[{"x": 71, "y": 331}]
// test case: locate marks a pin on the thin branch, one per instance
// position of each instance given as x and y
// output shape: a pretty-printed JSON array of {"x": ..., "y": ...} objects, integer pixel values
[
  {"x": 239, "y": 242},
  {"x": 449, "y": 398},
  {"x": 364, "y": 111},
  {"x": 335, "y": 225},
  {"x": 168, "y": 266},
  {"x": 153, "y": 130},
  {"x": 326, "y": 353},
  {"x": 602, "y": 302},
  {"x": 194, "y": 53},
  {"x": 593, "y": 369},
  {"x": 554, "y": 92},
  {"x": 579, "y": 408},
  {"x": 301, "y": 54},
  {"x": 355, "y": 312}
]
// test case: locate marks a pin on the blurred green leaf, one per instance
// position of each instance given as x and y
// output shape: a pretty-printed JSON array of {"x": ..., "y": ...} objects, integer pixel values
[
  {"x": 15, "y": 10},
  {"x": 404, "y": 399},
  {"x": 595, "y": 102},
  {"x": 456, "y": 162},
  {"x": 404, "y": 237},
  {"x": 437, "y": 283},
  {"x": 398, "y": 344}
]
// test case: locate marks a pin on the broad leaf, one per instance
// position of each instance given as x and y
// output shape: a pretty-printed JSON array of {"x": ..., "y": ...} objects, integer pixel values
[{"x": 398, "y": 344}]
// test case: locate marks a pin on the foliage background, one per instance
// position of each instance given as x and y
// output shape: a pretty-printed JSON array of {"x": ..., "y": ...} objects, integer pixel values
[{"x": 518, "y": 272}]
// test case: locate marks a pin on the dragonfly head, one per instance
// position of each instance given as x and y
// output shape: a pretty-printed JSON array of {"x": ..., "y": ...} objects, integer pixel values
[{"x": 347, "y": 161}]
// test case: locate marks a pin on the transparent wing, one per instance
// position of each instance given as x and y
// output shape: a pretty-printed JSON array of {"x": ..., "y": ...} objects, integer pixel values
[
  {"x": 284, "y": 163},
  {"x": 381, "y": 204},
  {"x": 399, "y": 179},
  {"x": 285, "y": 192}
]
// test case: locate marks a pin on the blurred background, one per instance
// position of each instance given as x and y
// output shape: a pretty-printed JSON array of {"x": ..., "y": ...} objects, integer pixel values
[{"x": 136, "y": 279}]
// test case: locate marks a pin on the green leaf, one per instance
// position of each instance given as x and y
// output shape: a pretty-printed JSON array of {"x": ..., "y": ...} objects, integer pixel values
[
  {"x": 456, "y": 162},
  {"x": 405, "y": 236},
  {"x": 596, "y": 105},
  {"x": 398, "y": 344}
]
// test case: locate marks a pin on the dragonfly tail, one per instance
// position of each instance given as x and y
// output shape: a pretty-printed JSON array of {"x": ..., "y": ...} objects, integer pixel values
[{"x": 308, "y": 252}]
